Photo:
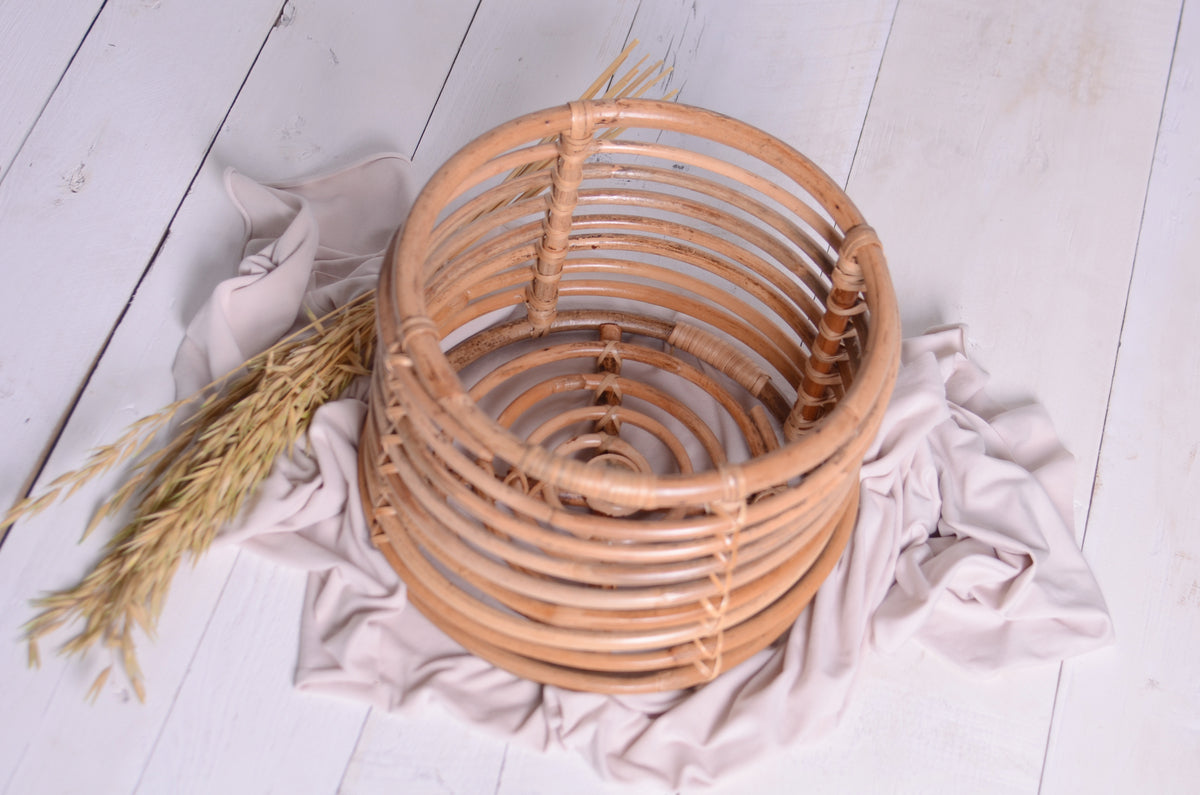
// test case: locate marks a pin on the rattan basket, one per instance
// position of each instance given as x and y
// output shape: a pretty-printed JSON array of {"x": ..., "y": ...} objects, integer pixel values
[{"x": 631, "y": 356}]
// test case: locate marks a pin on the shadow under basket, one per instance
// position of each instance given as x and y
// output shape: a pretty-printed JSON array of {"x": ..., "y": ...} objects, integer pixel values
[{"x": 631, "y": 355}]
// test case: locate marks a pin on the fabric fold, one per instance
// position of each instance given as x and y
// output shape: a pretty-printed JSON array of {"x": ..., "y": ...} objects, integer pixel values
[
  {"x": 310, "y": 247},
  {"x": 964, "y": 540}
]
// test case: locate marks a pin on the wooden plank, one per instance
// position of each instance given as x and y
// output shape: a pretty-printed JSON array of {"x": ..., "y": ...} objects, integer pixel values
[
  {"x": 802, "y": 71},
  {"x": 1004, "y": 163},
  {"x": 52, "y": 739},
  {"x": 73, "y": 248},
  {"x": 1128, "y": 719},
  {"x": 237, "y": 724},
  {"x": 915, "y": 724},
  {"x": 425, "y": 753},
  {"x": 529, "y": 772},
  {"x": 346, "y": 81},
  {"x": 217, "y": 739},
  {"x": 968, "y": 216},
  {"x": 873, "y": 747},
  {"x": 37, "y": 42},
  {"x": 92, "y": 191},
  {"x": 519, "y": 57},
  {"x": 964, "y": 96},
  {"x": 109, "y": 744}
]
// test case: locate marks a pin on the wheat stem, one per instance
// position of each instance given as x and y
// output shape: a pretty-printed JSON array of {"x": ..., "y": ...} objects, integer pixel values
[{"x": 186, "y": 491}]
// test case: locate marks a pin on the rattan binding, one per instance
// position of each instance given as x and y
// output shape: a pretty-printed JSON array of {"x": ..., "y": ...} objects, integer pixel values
[{"x": 541, "y": 463}]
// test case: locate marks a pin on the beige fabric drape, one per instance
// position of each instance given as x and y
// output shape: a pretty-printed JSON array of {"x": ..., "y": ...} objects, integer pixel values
[{"x": 964, "y": 541}]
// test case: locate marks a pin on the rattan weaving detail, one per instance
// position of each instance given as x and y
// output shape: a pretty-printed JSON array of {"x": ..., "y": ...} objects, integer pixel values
[{"x": 622, "y": 399}]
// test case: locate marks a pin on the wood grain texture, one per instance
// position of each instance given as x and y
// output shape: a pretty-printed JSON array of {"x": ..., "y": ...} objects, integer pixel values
[
  {"x": 424, "y": 752},
  {"x": 802, "y": 71},
  {"x": 53, "y": 741},
  {"x": 1004, "y": 165},
  {"x": 251, "y": 733},
  {"x": 528, "y": 772},
  {"x": 1128, "y": 719},
  {"x": 110, "y": 744},
  {"x": 915, "y": 724},
  {"x": 97, "y": 181},
  {"x": 520, "y": 56},
  {"x": 37, "y": 42},
  {"x": 92, "y": 191},
  {"x": 967, "y": 221},
  {"x": 342, "y": 81}
]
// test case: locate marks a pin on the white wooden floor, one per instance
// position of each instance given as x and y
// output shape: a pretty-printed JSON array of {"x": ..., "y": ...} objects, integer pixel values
[{"x": 1032, "y": 167}]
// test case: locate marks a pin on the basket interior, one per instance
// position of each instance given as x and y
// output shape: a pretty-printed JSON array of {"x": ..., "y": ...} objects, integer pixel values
[{"x": 605, "y": 354}]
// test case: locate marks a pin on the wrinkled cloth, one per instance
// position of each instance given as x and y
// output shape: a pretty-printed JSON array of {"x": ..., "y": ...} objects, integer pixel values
[{"x": 964, "y": 540}]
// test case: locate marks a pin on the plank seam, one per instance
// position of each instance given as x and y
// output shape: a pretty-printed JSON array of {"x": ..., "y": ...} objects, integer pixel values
[
  {"x": 56, "y": 434},
  {"x": 16, "y": 768},
  {"x": 1116, "y": 363},
  {"x": 8, "y": 167},
  {"x": 871, "y": 99},
  {"x": 162, "y": 727},
  {"x": 628, "y": 34},
  {"x": 1132, "y": 271},
  {"x": 341, "y": 787},
  {"x": 449, "y": 72},
  {"x": 500, "y": 772}
]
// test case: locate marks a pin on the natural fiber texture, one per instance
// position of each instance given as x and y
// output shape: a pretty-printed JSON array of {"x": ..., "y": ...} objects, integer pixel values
[
  {"x": 193, "y": 486},
  {"x": 589, "y": 530}
]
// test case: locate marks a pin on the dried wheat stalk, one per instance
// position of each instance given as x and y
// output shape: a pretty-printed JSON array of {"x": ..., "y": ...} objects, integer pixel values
[
  {"x": 196, "y": 484},
  {"x": 200, "y": 480}
]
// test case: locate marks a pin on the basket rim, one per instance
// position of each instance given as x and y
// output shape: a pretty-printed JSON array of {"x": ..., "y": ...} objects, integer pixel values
[{"x": 858, "y": 412}]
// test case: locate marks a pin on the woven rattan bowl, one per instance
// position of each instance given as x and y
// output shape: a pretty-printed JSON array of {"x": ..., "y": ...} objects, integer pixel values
[{"x": 631, "y": 356}]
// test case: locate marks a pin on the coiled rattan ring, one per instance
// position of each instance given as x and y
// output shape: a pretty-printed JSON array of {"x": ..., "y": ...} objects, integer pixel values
[{"x": 632, "y": 354}]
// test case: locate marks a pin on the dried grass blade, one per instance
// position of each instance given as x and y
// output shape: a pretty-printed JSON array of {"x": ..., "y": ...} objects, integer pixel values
[
  {"x": 97, "y": 687},
  {"x": 199, "y": 481},
  {"x": 609, "y": 71}
]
